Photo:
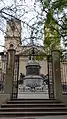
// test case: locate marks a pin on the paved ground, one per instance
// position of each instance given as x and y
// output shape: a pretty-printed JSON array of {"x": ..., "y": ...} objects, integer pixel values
[
  {"x": 37, "y": 95},
  {"x": 33, "y": 95}
]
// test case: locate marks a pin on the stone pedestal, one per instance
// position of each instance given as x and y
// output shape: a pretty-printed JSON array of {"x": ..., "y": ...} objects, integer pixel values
[
  {"x": 34, "y": 85},
  {"x": 56, "y": 74}
]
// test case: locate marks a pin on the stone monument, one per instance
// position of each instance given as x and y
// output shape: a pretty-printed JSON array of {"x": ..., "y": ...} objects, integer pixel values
[{"x": 33, "y": 83}]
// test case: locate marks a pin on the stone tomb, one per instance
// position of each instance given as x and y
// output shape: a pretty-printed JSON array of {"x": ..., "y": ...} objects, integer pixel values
[{"x": 33, "y": 84}]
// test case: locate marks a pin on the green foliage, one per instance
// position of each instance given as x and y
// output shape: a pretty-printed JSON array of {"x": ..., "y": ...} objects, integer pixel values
[
  {"x": 64, "y": 31},
  {"x": 60, "y": 4},
  {"x": 39, "y": 58},
  {"x": 52, "y": 32}
]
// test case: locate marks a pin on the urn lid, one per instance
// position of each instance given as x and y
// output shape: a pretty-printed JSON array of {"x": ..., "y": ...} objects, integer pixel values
[{"x": 33, "y": 63}]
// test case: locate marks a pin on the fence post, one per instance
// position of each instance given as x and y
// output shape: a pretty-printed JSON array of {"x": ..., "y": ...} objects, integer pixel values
[
  {"x": 56, "y": 74},
  {"x": 9, "y": 71}
]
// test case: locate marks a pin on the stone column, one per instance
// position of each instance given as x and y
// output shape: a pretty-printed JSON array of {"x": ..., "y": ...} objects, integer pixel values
[
  {"x": 9, "y": 71},
  {"x": 56, "y": 74}
]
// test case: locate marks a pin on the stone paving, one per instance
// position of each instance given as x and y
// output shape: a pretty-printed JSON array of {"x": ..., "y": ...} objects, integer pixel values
[{"x": 32, "y": 95}]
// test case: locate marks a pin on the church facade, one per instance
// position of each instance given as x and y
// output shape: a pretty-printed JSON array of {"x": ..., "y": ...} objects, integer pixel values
[{"x": 22, "y": 53}]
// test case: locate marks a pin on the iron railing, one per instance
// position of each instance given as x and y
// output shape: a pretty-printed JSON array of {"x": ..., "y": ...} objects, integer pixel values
[{"x": 64, "y": 76}]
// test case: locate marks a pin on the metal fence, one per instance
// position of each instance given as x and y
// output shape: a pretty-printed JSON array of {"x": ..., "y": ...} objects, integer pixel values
[
  {"x": 50, "y": 81},
  {"x": 64, "y": 76},
  {"x": 3, "y": 63},
  {"x": 16, "y": 71},
  {"x": 63, "y": 66},
  {"x": 15, "y": 81},
  {"x": 2, "y": 72},
  {"x": 2, "y": 80}
]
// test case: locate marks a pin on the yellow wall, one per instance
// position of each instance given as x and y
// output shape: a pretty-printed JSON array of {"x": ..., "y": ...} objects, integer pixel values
[{"x": 23, "y": 61}]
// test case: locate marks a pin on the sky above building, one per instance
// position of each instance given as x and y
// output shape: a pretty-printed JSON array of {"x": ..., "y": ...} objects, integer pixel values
[{"x": 27, "y": 16}]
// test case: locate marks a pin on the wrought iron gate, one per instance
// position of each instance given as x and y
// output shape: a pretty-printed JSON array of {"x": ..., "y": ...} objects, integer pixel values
[{"x": 15, "y": 81}]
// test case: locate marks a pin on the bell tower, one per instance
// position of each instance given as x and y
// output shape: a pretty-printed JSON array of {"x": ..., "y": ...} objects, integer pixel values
[{"x": 13, "y": 35}]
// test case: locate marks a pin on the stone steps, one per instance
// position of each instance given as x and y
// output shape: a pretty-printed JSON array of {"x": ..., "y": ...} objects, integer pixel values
[
  {"x": 40, "y": 109},
  {"x": 23, "y": 114},
  {"x": 32, "y": 107},
  {"x": 13, "y": 101}
]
